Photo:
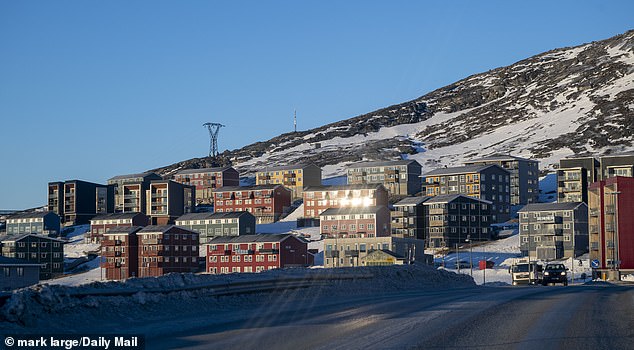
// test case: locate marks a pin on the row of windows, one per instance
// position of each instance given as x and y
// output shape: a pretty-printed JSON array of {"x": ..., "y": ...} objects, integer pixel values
[
  {"x": 109, "y": 222},
  {"x": 245, "y": 258},
  {"x": 351, "y": 227},
  {"x": 238, "y": 269},
  {"x": 169, "y": 259},
  {"x": 567, "y": 213},
  {"x": 167, "y": 248},
  {"x": 236, "y": 247},
  {"x": 538, "y": 238},
  {"x": 34, "y": 255},
  {"x": 263, "y": 193},
  {"x": 33, "y": 244},
  {"x": 455, "y": 229},
  {"x": 207, "y": 222},
  {"x": 361, "y": 247},
  {"x": 247, "y": 209},
  {"x": 23, "y": 221},
  {"x": 378, "y": 169}
]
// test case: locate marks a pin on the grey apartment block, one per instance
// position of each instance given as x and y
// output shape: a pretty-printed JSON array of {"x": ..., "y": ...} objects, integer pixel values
[
  {"x": 42, "y": 223},
  {"x": 400, "y": 177},
  {"x": 130, "y": 189},
  {"x": 551, "y": 231},
  {"x": 211, "y": 225},
  {"x": 408, "y": 218},
  {"x": 351, "y": 252},
  {"x": 17, "y": 273},
  {"x": 524, "y": 176}
]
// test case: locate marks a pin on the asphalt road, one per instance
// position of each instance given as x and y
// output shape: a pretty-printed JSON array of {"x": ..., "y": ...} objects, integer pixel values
[{"x": 531, "y": 317}]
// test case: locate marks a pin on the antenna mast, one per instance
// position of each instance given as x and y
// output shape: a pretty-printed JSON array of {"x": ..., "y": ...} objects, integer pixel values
[
  {"x": 295, "y": 120},
  {"x": 213, "y": 128}
]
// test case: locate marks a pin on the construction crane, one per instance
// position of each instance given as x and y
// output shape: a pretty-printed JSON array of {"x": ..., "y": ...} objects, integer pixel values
[{"x": 213, "y": 128}]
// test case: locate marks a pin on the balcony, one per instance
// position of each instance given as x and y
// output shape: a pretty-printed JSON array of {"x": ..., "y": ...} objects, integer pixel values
[
  {"x": 436, "y": 211},
  {"x": 400, "y": 224},
  {"x": 609, "y": 209},
  {"x": 437, "y": 223},
  {"x": 351, "y": 253},
  {"x": 130, "y": 196},
  {"x": 594, "y": 245},
  {"x": 397, "y": 214},
  {"x": 332, "y": 254},
  {"x": 117, "y": 242},
  {"x": 594, "y": 228},
  {"x": 609, "y": 228},
  {"x": 151, "y": 241},
  {"x": 159, "y": 195},
  {"x": 268, "y": 251},
  {"x": 594, "y": 212},
  {"x": 117, "y": 253},
  {"x": 571, "y": 188},
  {"x": 220, "y": 252}
]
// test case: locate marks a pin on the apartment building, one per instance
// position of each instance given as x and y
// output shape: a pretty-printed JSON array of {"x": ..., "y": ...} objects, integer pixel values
[
  {"x": 319, "y": 198},
  {"x": 45, "y": 251},
  {"x": 256, "y": 253},
  {"x": 101, "y": 224},
  {"x": 266, "y": 202},
  {"x": 18, "y": 273},
  {"x": 611, "y": 225},
  {"x": 360, "y": 251},
  {"x": 400, "y": 177},
  {"x": 210, "y": 225},
  {"x": 487, "y": 182},
  {"x": 454, "y": 218},
  {"x": 208, "y": 179},
  {"x": 293, "y": 177},
  {"x": 130, "y": 190},
  {"x": 41, "y": 223},
  {"x": 524, "y": 176},
  {"x": 550, "y": 231},
  {"x": 355, "y": 222},
  {"x": 76, "y": 201},
  {"x": 167, "y": 200},
  {"x": 165, "y": 249},
  {"x": 408, "y": 218},
  {"x": 617, "y": 165},
  {"x": 120, "y": 252},
  {"x": 574, "y": 176}
]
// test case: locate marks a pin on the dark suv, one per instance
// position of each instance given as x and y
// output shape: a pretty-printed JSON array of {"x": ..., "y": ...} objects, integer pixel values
[{"x": 555, "y": 273}]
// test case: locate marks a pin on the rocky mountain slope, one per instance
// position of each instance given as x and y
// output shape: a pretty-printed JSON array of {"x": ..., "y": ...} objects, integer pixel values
[{"x": 568, "y": 101}]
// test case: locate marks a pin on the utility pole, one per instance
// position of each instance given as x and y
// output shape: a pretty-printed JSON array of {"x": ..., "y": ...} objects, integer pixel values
[{"x": 213, "y": 128}]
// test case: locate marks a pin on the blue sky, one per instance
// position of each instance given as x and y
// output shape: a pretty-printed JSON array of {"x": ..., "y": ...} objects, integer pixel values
[{"x": 94, "y": 89}]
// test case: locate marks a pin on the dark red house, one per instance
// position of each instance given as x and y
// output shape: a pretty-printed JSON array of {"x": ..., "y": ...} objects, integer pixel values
[
  {"x": 256, "y": 253},
  {"x": 101, "y": 224},
  {"x": 266, "y": 202},
  {"x": 119, "y": 249},
  {"x": 165, "y": 249}
]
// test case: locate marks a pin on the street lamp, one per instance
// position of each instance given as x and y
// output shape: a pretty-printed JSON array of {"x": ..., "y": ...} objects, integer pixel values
[
  {"x": 468, "y": 240},
  {"x": 615, "y": 257}
]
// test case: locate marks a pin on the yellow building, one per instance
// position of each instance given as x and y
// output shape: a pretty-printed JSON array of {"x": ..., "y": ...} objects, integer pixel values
[{"x": 293, "y": 177}]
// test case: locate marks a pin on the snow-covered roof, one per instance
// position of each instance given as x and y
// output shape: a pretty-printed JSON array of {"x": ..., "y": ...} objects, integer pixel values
[{"x": 15, "y": 238}]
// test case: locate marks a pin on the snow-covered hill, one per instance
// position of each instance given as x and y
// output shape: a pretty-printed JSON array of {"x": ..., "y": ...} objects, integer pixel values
[{"x": 577, "y": 100}]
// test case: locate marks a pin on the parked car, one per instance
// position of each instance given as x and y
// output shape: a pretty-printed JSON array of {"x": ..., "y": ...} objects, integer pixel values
[
  {"x": 461, "y": 264},
  {"x": 555, "y": 273}
]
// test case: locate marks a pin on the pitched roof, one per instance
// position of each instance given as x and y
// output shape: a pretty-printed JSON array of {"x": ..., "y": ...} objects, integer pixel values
[
  {"x": 383, "y": 163},
  {"x": 119, "y": 230},
  {"x": 115, "y": 216},
  {"x": 411, "y": 201},
  {"x": 10, "y": 261},
  {"x": 351, "y": 210},
  {"x": 446, "y": 198},
  {"x": 288, "y": 167},
  {"x": 203, "y": 170},
  {"x": 31, "y": 215},
  {"x": 461, "y": 169},
  {"x": 550, "y": 206},
  {"x": 246, "y": 188},
  {"x": 386, "y": 251},
  {"x": 130, "y": 176},
  {"x": 163, "y": 229},
  {"x": 277, "y": 237},
  {"x": 343, "y": 187},
  {"x": 207, "y": 216},
  {"x": 15, "y": 238}
]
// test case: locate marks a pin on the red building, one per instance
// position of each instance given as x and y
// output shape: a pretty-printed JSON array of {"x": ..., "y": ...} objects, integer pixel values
[
  {"x": 611, "y": 224},
  {"x": 119, "y": 249},
  {"x": 165, "y": 249},
  {"x": 266, "y": 202},
  {"x": 319, "y": 198},
  {"x": 101, "y": 224},
  {"x": 207, "y": 179},
  {"x": 355, "y": 222},
  {"x": 256, "y": 253}
]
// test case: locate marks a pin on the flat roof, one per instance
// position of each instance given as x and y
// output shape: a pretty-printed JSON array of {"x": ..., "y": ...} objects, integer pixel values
[
  {"x": 550, "y": 206},
  {"x": 203, "y": 170},
  {"x": 461, "y": 169},
  {"x": 207, "y": 216},
  {"x": 383, "y": 163},
  {"x": 446, "y": 198}
]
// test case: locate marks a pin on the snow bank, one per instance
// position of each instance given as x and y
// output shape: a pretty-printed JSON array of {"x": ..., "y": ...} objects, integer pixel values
[{"x": 74, "y": 309}]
